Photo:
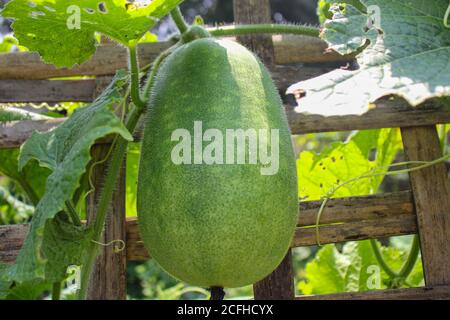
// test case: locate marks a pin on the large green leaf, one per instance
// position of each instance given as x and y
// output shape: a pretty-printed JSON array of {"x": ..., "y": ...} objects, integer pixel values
[
  {"x": 62, "y": 31},
  {"x": 407, "y": 56},
  {"x": 324, "y": 6},
  {"x": 354, "y": 269},
  {"x": 362, "y": 152},
  {"x": 32, "y": 174},
  {"x": 63, "y": 245},
  {"x": 66, "y": 152},
  {"x": 326, "y": 272}
]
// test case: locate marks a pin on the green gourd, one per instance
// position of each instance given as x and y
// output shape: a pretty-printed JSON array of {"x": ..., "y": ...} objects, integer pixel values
[{"x": 205, "y": 216}]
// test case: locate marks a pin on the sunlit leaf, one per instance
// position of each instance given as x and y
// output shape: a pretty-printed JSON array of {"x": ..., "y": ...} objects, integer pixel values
[
  {"x": 63, "y": 31},
  {"x": 407, "y": 54}
]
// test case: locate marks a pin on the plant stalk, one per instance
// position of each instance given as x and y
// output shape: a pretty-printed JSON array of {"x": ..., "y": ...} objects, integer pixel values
[
  {"x": 32, "y": 196},
  {"x": 56, "y": 291},
  {"x": 115, "y": 163},
  {"x": 73, "y": 213},
  {"x": 244, "y": 29},
  {"x": 379, "y": 256},
  {"x": 152, "y": 76},
  {"x": 412, "y": 258},
  {"x": 134, "y": 75},
  {"x": 178, "y": 19},
  {"x": 114, "y": 166}
]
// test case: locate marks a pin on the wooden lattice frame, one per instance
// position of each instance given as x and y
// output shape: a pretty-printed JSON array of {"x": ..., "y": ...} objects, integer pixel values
[{"x": 424, "y": 210}]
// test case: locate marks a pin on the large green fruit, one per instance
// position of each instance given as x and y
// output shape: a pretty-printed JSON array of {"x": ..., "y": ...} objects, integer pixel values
[{"x": 215, "y": 224}]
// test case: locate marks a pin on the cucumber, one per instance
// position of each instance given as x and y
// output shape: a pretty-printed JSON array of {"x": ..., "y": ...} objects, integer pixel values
[{"x": 212, "y": 219}]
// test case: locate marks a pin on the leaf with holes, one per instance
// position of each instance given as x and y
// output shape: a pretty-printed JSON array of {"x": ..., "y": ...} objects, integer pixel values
[
  {"x": 66, "y": 152},
  {"x": 62, "y": 31},
  {"x": 362, "y": 152},
  {"x": 407, "y": 54}
]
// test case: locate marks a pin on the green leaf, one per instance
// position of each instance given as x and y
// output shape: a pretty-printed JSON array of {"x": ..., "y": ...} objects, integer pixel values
[
  {"x": 324, "y": 6},
  {"x": 132, "y": 164},
  {"x": 323, "y": 11},
  {"x": 8, "y": 114},
  {"x": 13, "y": 210},
  {"x": 326, "y": 272},
  {"x": 341, "y": 161},
  {"x": 66, "y": 151},
  {"x": 358, "y": 273},
  {"x": 26, "y": 291},
  {"x": 63, "y": 31},
  {"x": 63, "y": 245},
  {"x": 407, "y": 55},
  {"x": 7, "y": 44},
  {"x": 148, "y": 37},
  {"x": 354, "y": 269},
  {"x": 31, "y": 174}
]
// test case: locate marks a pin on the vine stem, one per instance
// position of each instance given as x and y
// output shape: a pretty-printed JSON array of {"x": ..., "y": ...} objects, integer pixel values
[
  {"x": 134, "y": 75},
  {"x": 177, "y": 17},
  {"x": 73, "y": 213},
  {"x": 31, "y": 194},
  {"x": 115, "y": 163},
  {"x": 114, "y": 166},
  {"x": 56, "y": 291},
  {"x": 412, "y": 258},
  {"x": 264, "y": 28},
  {"x": 217, "y": 293},
  {"x": 332, "y": 191},
  {"x": 152, "y": 76},
  {"x": 379, "y": 256},
  {"x": 415, "y": 247}
]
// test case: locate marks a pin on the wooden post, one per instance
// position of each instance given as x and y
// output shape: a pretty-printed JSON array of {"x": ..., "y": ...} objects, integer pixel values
[
  {"x": 431, "y": 193},
  {"x": 108, "y": 278},
  {"x": 280, "y": 284},
  {"x": 255, "y": 11}
]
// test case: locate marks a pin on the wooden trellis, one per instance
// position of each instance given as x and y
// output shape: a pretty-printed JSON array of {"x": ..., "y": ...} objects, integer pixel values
[{"x": 424, "y": 210}]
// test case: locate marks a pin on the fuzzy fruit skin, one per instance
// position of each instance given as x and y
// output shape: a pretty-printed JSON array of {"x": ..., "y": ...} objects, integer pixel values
[{"x": 215, "y": 225}]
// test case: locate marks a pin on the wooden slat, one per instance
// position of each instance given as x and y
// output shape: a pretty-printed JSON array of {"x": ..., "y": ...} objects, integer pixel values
[
  {"x": 108, "y": 278},
  {"x": 431, "y": 190},
  {"x": 290, "y": 48},
  {"x": 351, "y": 209},
  {"x": 109, "y": 58},
  {"x": 13, "y": 134},
  {"x": 84, "y": 90},
  {"x": 46, "y": 90},
  {"x": 387, "y": 114},
  {"x": 356, "y": 218},
  {"x": 359, "y": 230},
  {"x": 423, "y": 293},
  {"x": 11, "y": 240}
]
